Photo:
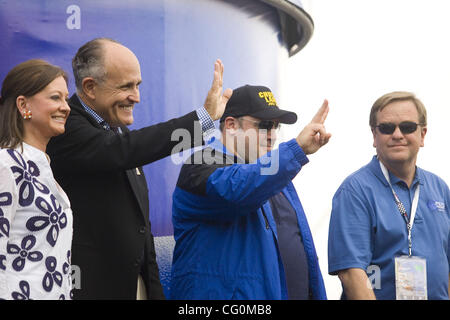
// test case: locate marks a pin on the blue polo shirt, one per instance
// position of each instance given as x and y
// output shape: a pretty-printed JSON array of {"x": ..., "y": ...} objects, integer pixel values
[{"x": 366, "y": 228}]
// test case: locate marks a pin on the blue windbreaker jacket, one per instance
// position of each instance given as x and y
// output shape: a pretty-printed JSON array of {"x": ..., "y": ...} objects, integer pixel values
[{"x": 226, "y": 238}]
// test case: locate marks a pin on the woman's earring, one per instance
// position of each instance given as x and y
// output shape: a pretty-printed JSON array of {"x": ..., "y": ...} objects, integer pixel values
[{"x": 27, "y": 114}]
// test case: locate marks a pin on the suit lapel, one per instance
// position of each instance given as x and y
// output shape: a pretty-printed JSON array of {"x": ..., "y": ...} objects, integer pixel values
[
  {"x": 138, "y": 184},
  {"x": 139, "y": 190}
]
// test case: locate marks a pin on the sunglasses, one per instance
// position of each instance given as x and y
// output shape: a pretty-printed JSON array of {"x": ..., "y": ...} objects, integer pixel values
[
  {"x": 406, "y": 127},
  {"x": 265, "y": 124}
]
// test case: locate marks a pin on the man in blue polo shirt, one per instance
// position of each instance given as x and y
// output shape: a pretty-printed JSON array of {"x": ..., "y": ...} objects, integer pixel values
[{"x": 389, "y": 228}]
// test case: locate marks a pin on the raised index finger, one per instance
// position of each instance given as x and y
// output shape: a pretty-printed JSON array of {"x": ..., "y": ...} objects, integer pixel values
[{"x": 322, "y": 113}]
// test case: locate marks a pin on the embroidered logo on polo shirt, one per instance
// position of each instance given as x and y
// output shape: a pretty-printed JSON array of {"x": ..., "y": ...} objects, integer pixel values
[{"x": 436, "y": 205}]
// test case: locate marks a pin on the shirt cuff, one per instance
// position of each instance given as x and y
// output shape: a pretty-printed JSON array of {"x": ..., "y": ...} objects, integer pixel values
[{"x": 206, "y": 122}]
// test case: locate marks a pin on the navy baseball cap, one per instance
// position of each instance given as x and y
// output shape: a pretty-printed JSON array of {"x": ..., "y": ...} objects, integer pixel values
[{"x": 258, "y": 102}]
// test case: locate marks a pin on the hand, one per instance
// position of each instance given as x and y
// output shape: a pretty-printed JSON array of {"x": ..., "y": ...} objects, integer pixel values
[
  {"x": 216, "y": 101},
  {"x": 314, "y": 135}
]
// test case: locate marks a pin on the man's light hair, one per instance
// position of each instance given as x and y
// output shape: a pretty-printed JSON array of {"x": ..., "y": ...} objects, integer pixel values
[{"x": 388, "y": 98}]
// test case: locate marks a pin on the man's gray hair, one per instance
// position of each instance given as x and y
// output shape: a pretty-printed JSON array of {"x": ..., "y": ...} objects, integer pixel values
[{"x": 88, "y": 62}]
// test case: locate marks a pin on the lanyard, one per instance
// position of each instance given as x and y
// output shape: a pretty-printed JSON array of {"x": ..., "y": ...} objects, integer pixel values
[{"x": 401, "y": 207}]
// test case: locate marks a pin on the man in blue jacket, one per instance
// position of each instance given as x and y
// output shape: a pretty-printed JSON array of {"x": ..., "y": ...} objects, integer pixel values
[{"x": 239, "y": 226}]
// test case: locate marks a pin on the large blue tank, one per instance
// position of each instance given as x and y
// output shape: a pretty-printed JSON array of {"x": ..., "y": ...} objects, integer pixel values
[{"x": 177, "y": 43}]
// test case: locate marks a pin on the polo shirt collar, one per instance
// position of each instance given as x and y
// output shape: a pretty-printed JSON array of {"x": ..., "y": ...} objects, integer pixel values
[{"x": 375, "y": 168}]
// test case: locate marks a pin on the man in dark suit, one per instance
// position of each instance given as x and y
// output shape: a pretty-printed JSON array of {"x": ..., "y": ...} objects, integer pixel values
[{"x": 98, "y": 163}]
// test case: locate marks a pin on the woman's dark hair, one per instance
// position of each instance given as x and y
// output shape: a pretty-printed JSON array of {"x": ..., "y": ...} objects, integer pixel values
[{"x": 26, "y": 79}]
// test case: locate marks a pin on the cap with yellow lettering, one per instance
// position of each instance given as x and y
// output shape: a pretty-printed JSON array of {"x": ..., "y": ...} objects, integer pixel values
[{"x": 258, "y": 102}]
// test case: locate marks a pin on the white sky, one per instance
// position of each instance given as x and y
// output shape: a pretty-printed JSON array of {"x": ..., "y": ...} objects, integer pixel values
[{"x": 360, "y": 50}]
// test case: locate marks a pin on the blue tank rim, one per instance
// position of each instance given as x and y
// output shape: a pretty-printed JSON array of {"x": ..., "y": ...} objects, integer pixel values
[{"x": 297, "y": 26}]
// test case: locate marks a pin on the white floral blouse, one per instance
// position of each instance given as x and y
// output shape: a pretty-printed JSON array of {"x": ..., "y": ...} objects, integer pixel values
[{"x": 35, "y": 228}]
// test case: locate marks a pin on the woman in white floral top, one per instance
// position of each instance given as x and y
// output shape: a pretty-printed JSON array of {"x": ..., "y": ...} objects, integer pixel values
[{"x": 35, "y": 214}]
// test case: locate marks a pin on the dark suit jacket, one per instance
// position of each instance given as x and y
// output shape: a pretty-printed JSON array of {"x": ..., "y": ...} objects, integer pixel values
[{"x": 112, "y": 240}]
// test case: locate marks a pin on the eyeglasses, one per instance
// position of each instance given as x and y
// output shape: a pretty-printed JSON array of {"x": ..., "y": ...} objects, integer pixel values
[
  {"x": 265, "y": 124},
  {"x": 406, "y": 127}
]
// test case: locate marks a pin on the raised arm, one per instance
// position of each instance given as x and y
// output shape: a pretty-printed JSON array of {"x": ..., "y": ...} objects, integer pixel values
[
  {"x": 217, "y": 99},
  {"x": 314, "y": 135}
]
